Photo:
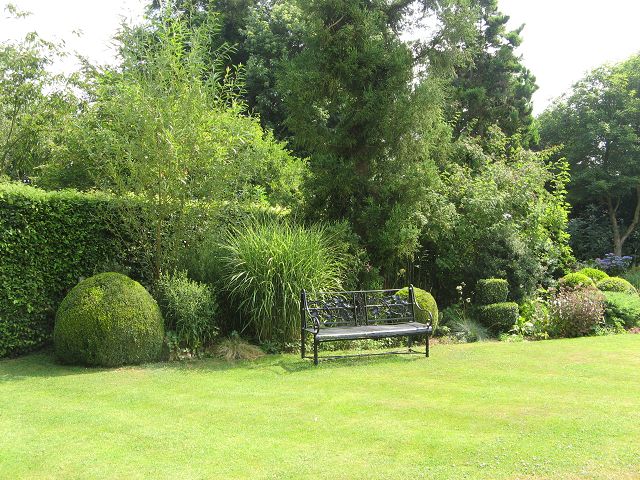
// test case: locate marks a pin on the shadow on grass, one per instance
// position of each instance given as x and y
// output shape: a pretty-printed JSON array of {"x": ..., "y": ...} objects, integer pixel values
[{"x": 43, "y": 364}]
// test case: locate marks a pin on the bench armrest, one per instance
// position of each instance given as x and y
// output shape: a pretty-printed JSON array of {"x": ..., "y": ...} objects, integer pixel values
[
  {"x": 310, "y": 322},
  {"x": 415, "y": 304}
]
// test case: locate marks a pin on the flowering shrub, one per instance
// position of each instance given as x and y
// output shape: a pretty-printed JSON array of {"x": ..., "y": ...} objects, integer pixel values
[
  {"x": 614, "y": 264},
  {"x": 576, "y": 312}
]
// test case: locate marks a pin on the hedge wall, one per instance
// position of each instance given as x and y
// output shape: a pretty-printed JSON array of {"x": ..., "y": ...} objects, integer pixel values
[{"x": 48, "y": 242}]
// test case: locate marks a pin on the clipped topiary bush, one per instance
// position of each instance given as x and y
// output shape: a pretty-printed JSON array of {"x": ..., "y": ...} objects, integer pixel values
[
  {"x": 622, "y": 308},
  {"x": 499, "y": 317},
  {"x": 491, "y": 290},
  {"x": 108, "y": 320},
  {"x": 427, "y": 304},
  {"x": 576, "y": 279},
  {"x": 617, "y": 284},
  {"x": 594, "y": 274}
]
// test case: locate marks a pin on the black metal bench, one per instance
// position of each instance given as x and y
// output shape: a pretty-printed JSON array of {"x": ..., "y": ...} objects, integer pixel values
[{"x": 361, "y": 315}]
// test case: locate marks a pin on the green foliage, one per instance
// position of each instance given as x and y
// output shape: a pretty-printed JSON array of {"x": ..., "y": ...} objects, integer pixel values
[
  {"x": 576, "y": 312},
  {"x": 590, "y": 231},
  {"x": 108, "y": 320},
  {"x": 491, "y": 290},
  {"x": 594, "y": 274},
  {"x": 48, "y": 242},
  {"x": 499, "y": 317},
  {"x": 189, "y": 309},
  {"x": 33, "y": 104},
  {"x": 264, "y": 265},
  {"x": 577, "y": 279},
  {"x": 496, "y": 215},
  {"x": 361, "y": 274},
  {"x": 616, "y": 284},
  {"x": 494, "y": 88},
  {"x": 352, "y": 104},
  {"x": 428, "y": 308},
  {"x": 598, "y": 124},
  {"x": 535, "y": 320},
  {"x": 633, "y": 277},
  {"x": 622, "y": 308},
  {"x": 167, "y": 126}
]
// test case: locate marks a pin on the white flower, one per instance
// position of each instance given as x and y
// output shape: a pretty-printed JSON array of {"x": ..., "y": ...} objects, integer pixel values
[{"x": 507, "y": 216}]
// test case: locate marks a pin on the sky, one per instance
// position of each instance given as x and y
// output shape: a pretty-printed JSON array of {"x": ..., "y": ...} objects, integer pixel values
[{"x": 562, "y": 39}]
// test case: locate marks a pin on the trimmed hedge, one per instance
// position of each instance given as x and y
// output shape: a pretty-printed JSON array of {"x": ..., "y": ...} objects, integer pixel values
[
  {"x": 499, "y": 317},
  {"x": 617, "y": 284},
  {"x": 426, "y": 302},
  {"x": 108, "y": 320},
  {"x": 48, "y": 242},
  {"x": 576, "y": 279},
  {"x": 491, "y": 290},
  {"x": 594, "y": 274}
]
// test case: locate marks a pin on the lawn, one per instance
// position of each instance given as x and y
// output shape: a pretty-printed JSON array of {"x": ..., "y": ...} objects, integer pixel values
[{"x": 563, "y": 409}]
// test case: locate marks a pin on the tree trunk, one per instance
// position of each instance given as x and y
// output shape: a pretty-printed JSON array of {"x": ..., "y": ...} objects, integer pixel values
[{"x": 618, "y": 237}]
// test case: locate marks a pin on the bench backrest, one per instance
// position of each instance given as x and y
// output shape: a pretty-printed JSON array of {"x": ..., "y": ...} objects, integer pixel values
[{"x": 364, "y": 307}]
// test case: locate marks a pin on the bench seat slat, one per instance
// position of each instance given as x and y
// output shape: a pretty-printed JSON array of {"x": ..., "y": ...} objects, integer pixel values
[{"x": 374, "y": 331}]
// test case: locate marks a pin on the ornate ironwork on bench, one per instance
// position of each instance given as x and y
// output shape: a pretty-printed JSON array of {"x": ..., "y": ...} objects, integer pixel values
[{"x": 361, "y": 315}]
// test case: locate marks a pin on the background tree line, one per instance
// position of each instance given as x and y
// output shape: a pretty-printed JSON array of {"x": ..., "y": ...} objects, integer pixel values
[{"x": 416, "y": 148}]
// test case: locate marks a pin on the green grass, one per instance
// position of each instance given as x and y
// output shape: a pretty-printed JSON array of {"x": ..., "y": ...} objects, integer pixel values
[{"x": 565, "y": 409}]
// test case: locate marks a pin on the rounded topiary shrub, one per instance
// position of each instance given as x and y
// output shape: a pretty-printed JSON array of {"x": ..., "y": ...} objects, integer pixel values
[
  {"x": 491, "y": 290},
  {"x": 576, "y": 279},
  {"x": 594, "y": 274},
  {"x": 499, "y": 317},
  {"x": 427, "y": 304},
  {"x": 617, "y": 284},
  {"x": 108, "y": 320}
]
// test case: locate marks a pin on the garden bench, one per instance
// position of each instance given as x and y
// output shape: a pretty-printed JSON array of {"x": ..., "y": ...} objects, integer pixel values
[{"x": 361, "y": 315}]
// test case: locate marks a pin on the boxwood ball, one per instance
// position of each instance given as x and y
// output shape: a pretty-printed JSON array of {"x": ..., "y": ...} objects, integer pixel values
[{"x": 108, "y": 320}]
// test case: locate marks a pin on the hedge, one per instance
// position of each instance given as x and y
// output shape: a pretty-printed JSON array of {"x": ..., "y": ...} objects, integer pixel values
[
  {"x": 491, "y": 290},
  {"x": 499, "y": 317},
  {"x": 48, "y": 242}
]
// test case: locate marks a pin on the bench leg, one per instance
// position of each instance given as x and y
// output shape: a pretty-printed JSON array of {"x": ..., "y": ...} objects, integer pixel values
[
  {"x": 427, "y": 350},
  {"x": 302, "y": 352},
  {"x": 409, "y": 342},
  {"x": 315, "y": 351}
]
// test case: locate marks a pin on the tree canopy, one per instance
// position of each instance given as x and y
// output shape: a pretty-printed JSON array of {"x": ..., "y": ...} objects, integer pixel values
[{"x": 598, "y": 124}]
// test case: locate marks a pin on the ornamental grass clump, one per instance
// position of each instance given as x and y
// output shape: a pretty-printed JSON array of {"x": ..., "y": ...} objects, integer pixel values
[
  {"x": 265, "y": 265},
  {"x": 576, "y": 312}
]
